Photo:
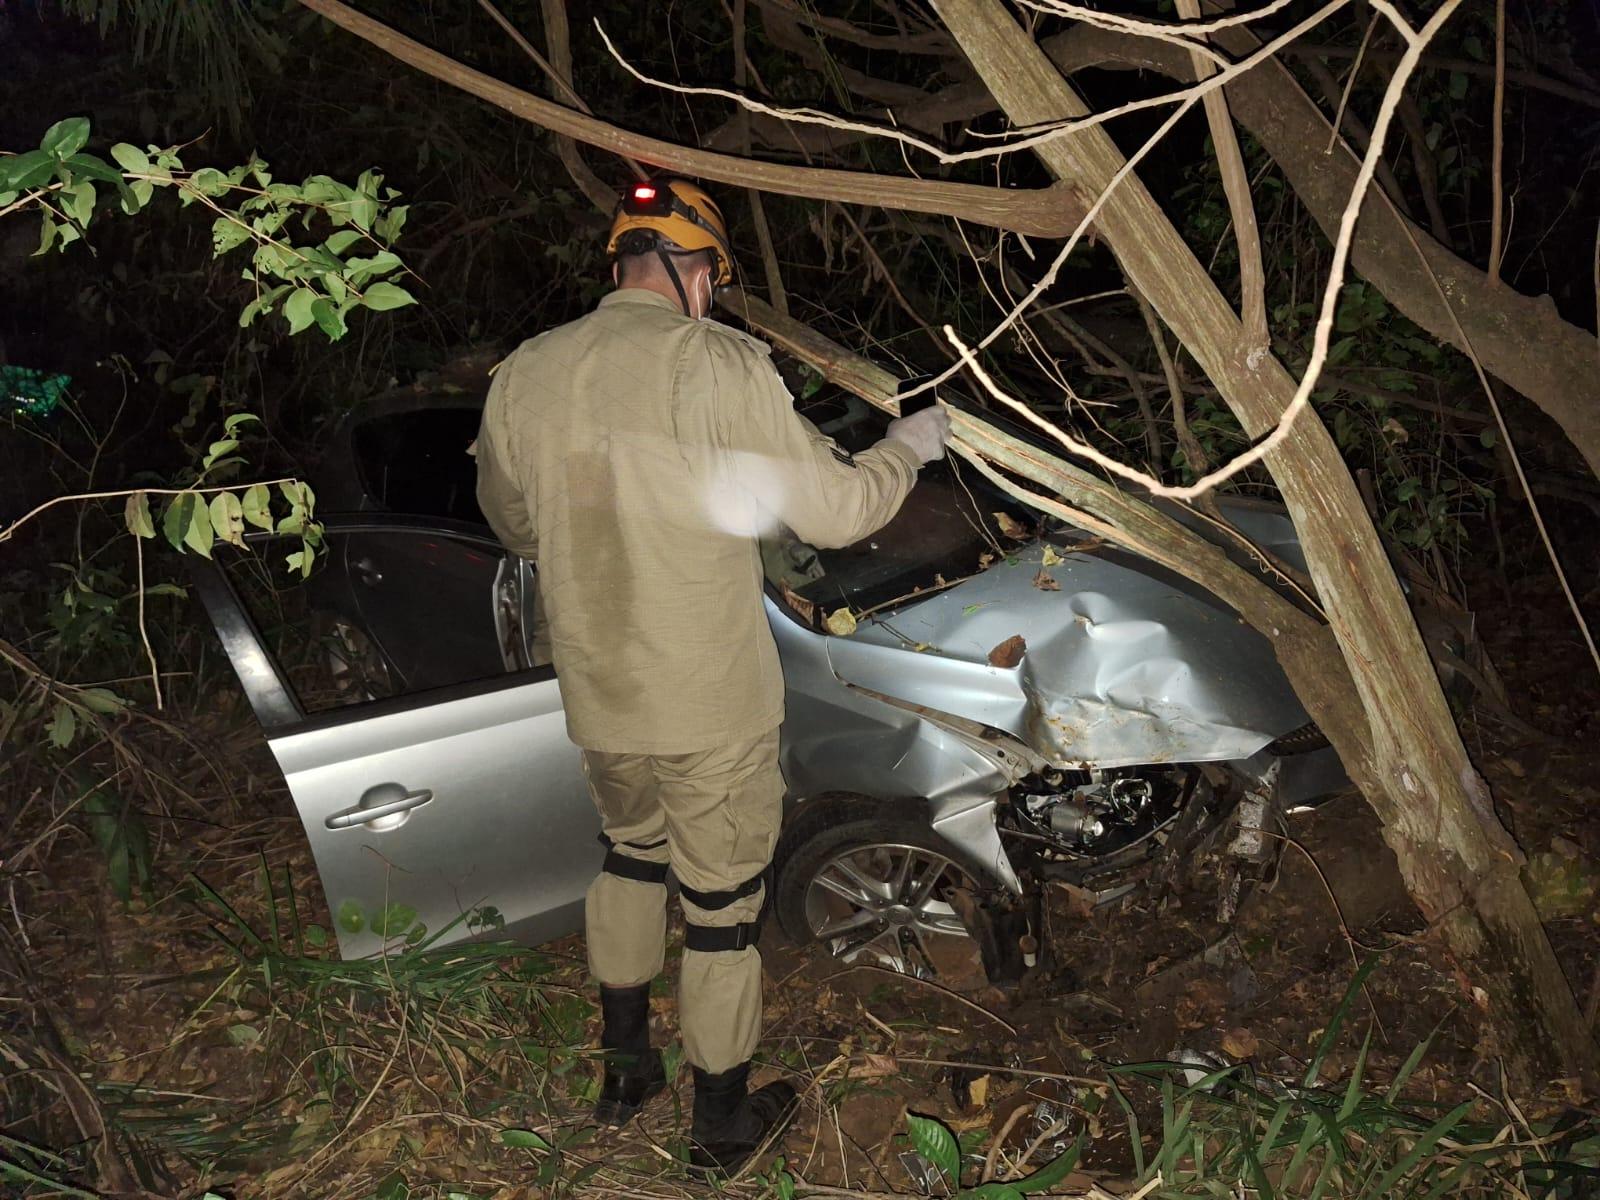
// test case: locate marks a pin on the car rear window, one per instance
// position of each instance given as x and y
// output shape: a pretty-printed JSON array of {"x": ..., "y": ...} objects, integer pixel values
[{"x": 417, "y": 462}]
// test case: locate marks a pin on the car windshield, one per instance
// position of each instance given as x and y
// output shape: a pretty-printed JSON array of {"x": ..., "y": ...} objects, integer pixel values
[{"x": 947, "y": 529}]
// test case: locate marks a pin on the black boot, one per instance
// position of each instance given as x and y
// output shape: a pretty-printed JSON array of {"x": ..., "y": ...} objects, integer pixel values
[
  {"x": 729, "y": 1125},
  {"x": 633, "y": 1070}
]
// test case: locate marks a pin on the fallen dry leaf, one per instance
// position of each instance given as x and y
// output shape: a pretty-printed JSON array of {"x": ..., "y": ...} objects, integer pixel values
[
  {"x": 874, "y": 1066},
  {"x": 1051, "y": 558},
  {"x": 1009, "y": 652},
  {"x": 803, "y": 608},
  {"x": 1240, "y": 1043},
  {"x": 841, "y": 622},
  {"x": 1045, "y": 583},
  {"x": 1011, "y": 527},
  {"x": 978, "y": 1092}
]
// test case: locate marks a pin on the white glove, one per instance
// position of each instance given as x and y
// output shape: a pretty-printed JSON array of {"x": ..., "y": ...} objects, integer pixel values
[{"x": 924, "y": 433}]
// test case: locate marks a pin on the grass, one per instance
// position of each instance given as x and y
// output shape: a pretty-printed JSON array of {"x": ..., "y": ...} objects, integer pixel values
[{"x": 465, "y": 1072}]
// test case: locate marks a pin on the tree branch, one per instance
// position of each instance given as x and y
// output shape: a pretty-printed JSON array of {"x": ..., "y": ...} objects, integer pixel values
[
  {"x": 1037, "y": 212},
  {"x": 1236, "y": 186}
]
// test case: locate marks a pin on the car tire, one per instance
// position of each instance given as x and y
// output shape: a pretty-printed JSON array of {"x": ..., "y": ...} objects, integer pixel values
[{"x": 846, "y": 844}]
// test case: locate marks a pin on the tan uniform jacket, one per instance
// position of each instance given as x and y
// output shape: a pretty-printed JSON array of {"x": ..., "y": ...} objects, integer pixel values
[{"x": 637, "y": 455}]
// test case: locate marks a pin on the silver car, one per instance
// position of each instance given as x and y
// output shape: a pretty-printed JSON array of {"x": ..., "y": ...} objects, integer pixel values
[{"x": 1015, "y": 705}]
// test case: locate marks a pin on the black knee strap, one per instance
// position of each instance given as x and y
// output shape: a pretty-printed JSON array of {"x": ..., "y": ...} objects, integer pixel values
[
  {"x": 609, "y": 844},
  {"x": 719, "y": 900},
  {"x": 634, "y": 868},
  {"x": 713, "y": 939}
]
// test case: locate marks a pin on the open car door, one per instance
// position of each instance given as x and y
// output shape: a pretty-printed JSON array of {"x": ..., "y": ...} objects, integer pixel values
[{"x": 449, "y": 797}]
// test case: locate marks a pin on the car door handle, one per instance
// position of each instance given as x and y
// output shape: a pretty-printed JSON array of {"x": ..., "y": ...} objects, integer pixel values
[
  {"x": 367, "y": 572},
  {"x": 384, "y": 800}
]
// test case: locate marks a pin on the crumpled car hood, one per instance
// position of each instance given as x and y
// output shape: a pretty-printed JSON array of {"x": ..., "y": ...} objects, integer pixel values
[{"x": 1124, "y": 665}]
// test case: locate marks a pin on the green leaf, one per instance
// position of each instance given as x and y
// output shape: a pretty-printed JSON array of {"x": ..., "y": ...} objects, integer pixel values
[
  {"x": 28, "y": 170},
  {"x": 209, "y": 181},
  {"x": 78, "y": 200},
  {"x": 63, "y": 725},
  {"x": 360, "y": 270},
  {"x": 316, "y": 936},
  {"x": 131, "y": 159},
  {"x": 298, "y": 562},
  {"x": 226, "y": 233},
  {"x": 238, "y": 419},
  {"x": 328, "y": 318},
  {"x": 48, "y": 229},
  {"x": 227, "y": 518},
  {"x": 87, "y": 166},
  {"x": 936, "y": 1143},
  {"x": 350, "y": 917},
  {"x": 198, "y": 536},
  {"x": 261, "y": 304},
  {"x": 1052, "y": 1172},
  {"x": 1488, "y": 437},
  {"x": 394, "y": 920},
  {"x": 381, "y": 297},
  {"x": 136, "y": 515},
  {"x": 393, "y": 1187},
  {"x": 218, "y": 449},
  {"x": 391, "y": 223},
  {"x": 525, "y": 1139},
  {"x": 341, "y": 241},
  {"x": 176, "y": 519},
  {"x": 137, "y": 196},
  {"x": 256, "y": 506},
  {"x": 297, "y": 310},
  {"x": 65, "y": 138},
  {"x": 994, "y": 1190},
  {"x": 102, "y": 700}
]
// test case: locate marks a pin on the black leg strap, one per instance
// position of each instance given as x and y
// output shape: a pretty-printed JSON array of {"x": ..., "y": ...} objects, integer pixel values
[
  {"x": 719, "y": 900},
  {"x": 609, "y": 844},
  {"x": 713, "y": 939},
  {"x": 634, "y": 868}
]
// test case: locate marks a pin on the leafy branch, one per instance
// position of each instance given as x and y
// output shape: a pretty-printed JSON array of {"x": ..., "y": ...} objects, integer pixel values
[{"x": 315, "y": 280}]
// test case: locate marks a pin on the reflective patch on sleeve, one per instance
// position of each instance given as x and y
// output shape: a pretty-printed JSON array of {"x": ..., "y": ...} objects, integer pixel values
[{"x": 843, "y": 455}]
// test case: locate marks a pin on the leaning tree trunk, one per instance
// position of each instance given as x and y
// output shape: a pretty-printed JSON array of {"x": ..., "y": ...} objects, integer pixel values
[
  {"x": 1520, "y": 339},
  {"x": 1459, "y": 864},
  {"x": 1305, "y": 648}
]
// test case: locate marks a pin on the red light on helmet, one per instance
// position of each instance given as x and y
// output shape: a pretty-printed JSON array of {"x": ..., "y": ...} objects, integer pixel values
[{"x": 644, "y": 192}]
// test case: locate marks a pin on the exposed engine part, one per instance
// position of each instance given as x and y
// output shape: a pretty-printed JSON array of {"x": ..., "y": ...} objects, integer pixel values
[{"x": 1093, "y": 813}]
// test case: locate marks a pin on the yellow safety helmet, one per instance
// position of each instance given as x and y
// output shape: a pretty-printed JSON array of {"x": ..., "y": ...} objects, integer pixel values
[{"x": 671, "y": 214}]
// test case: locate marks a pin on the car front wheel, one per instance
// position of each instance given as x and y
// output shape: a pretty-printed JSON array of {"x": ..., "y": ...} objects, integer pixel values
[{"x": 875, "y": 888}]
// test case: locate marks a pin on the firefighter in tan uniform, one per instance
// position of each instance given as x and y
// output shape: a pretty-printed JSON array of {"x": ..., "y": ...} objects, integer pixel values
[{"x": 636, "y": 455}]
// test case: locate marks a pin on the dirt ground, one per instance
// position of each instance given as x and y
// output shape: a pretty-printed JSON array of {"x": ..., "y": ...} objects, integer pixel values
[{"x": 225, "y": 1081}]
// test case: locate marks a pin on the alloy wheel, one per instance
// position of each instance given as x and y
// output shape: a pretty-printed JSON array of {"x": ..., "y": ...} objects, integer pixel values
[{"x": 889, "y": 905}]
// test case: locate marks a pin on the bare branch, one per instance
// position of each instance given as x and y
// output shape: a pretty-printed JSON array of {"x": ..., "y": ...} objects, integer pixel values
[
  {"x": 1029, "y": 138},
  {"x": 1497, "y": 181},
  {"x": 1236, "y": 186},
  {"x": 1416, "y": 40},
  {"x": 1037, "y": 212},
  {"x": 758, "y": 211},
  {"x": 931, "y": 42}
]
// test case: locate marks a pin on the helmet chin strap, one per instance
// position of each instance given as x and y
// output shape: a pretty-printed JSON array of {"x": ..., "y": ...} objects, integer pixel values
[{"x": 672, "y": 274}]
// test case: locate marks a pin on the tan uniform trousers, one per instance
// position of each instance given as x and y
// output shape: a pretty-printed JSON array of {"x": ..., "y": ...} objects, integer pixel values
[{"x": 714, "y": 816}]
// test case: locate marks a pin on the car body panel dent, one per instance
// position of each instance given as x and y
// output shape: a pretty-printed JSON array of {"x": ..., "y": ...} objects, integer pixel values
[{"x": 1121, "y": 667}]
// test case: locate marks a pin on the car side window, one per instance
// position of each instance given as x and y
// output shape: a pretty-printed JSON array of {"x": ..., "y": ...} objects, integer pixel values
[
  {"x": 384, "y": 613},
  {"x": 417, "y": 461}
]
